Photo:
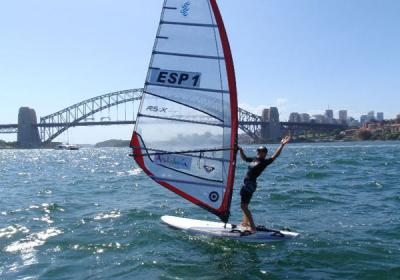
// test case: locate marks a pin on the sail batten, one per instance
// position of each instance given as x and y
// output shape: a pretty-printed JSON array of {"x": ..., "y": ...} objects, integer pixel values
[
  {"x": 189, "y": 55},
  {"x": 189, "y": 107},
  {"x": 178, "y": 101},
  {"x": 183, "y": 120},
  {"x": 189, "y": 24},
  {"x": 188, "y": 88}
]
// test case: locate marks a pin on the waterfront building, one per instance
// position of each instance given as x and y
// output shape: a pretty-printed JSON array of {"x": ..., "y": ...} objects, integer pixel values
[
  {"x": 319, "y": 118},
  {"x": 371, "y": 115},
  {"x": 363, "y": 119},
  {"x": 294, "y": 117},
  {"x": 329, "y": 114},
  {"x": 343, "y": 116},
  {"x": 379, "y": 116},
  {"x": 395, "y": 128},
  {"x": 353, "y": 122},
  {"x": 305, "y": 118}
]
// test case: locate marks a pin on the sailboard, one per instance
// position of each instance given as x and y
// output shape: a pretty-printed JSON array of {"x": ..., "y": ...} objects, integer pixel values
[
  {"x": 185, "y": 136},
  {"x": 231, "y": 231}
]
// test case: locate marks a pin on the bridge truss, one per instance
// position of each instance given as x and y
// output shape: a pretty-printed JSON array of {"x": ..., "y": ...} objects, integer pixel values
[
  {"x": 53, "y": 125},
  {"x": 251, "y": 124},
  {"x": 8, "y": 129}
]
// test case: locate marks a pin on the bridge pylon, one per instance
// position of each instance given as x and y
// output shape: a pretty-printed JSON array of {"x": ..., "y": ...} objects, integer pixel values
[{"x": 28, "y": 132}]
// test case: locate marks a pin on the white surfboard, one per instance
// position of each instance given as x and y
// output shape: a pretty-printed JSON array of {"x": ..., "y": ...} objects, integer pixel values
[{"x": 216, "y": 229}]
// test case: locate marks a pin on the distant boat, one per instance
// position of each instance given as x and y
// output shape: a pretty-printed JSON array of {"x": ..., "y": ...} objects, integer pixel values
[{"x": 66, "y": 147}]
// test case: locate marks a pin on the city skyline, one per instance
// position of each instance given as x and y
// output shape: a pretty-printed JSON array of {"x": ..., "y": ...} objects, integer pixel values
[
  {"x": 308, "y": 56},
  {"x": 344, "y": 116}
]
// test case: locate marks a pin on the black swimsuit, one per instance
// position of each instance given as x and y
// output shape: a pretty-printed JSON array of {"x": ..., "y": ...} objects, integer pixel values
[{"x": 255, "y": 168}]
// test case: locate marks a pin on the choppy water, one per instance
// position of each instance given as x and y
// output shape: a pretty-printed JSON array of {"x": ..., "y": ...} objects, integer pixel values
[{"x": 92, "y": 214}]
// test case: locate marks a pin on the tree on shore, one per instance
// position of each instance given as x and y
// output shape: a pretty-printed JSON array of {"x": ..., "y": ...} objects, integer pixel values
[{"x": 364, "y": 134}]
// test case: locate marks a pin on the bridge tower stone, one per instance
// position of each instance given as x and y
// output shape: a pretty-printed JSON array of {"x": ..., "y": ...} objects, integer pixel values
[
  {"x": 271, "y": 129},
  {"x": 28, "y": 132}
]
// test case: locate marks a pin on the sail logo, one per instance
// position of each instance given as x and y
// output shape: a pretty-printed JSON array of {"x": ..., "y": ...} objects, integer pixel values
[
  {"x": 175, "y": 78},
  {"x": 213, "y": 196},
  {"x": 185, "y": 9},
  {"x": 157, "y": 109},
  {"x": 174, "y": 161}
]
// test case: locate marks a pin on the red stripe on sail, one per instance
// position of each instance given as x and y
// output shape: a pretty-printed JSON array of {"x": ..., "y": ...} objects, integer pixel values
[{"x": 224, "y": 209}]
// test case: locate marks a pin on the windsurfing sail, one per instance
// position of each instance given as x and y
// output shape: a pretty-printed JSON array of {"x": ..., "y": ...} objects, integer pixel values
[{"x": 185, "y": 135}]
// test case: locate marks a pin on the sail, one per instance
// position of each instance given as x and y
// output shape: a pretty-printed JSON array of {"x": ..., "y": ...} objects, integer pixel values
[{"x": 186, "y": 128}]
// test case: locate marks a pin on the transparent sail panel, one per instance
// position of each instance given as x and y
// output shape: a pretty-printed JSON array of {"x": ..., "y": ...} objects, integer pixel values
[
  {"x": 183, "y": 136},
  {"x": 195, "y": 40},
  {"x": 189, "y": 12}
]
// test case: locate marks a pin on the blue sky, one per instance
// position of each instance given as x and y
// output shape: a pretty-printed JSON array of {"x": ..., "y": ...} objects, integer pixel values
[{"x": 299, "y": 55}]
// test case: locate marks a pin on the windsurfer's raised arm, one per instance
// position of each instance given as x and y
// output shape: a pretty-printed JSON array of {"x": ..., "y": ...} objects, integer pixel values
[
  {"x": 284, "y": 141},
  {"x": 243, "y": 155}
]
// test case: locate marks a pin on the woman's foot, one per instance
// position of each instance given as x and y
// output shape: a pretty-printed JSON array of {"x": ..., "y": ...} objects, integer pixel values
[{"x": 247, "y": 228}]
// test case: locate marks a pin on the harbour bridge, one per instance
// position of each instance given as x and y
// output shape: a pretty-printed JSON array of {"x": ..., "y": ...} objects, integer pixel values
[{"x": 34, "y": 134}]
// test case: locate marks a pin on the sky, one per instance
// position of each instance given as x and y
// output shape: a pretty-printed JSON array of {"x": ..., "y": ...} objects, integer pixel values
[{"x": 298, "y": 55}]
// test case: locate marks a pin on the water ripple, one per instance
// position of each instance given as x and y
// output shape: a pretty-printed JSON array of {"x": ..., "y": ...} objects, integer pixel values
[{"x": 95, "y": 214}]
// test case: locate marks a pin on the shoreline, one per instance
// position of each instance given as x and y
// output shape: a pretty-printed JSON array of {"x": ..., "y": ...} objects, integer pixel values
[{"x": 96, "y": 146}]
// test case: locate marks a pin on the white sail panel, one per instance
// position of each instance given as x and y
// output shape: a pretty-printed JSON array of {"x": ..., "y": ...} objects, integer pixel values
[
  {"x": 199, "y": 40},
  {"x": 186, "y": 129}
]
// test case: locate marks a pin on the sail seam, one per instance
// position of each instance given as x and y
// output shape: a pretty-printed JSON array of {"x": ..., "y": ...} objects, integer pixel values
[
  {"x": 183, "y": 104},
  {"x": 186, "y": 153},
  {"x": 181, "y": 120},
  {"x": 187, "y": 182},
  {"x": 189, "y": 24},
  {"x": 188, "y": 88},
  {"x": 189, "y": 55}
]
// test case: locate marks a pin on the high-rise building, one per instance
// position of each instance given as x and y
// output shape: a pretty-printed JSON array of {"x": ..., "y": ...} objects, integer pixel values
[
  {"x": 371, "y": 115},
  {"x": 294, "y": 117},
  {"x": 398, "y": 117},
  {"x": 364, "y": 119},
  {"x": 319, "y": 118},
  {"x": 379, "y": 116},
  {"x": 352, "y": 122},
  {"x": 343, "y": 116},
  {"x": 305, "y": 118},
  {"x": 329, "y": 114}
]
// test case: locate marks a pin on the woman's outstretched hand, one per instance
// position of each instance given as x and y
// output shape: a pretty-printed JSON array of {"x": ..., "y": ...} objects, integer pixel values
[{"x": 285, "y": 140}]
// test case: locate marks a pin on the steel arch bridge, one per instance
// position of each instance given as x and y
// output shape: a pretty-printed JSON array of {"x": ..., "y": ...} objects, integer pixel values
[{"x": 53, "y": 125}]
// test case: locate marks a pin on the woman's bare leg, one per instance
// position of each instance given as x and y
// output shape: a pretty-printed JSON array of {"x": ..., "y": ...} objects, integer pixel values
[{"x": 247, "y": 217}]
